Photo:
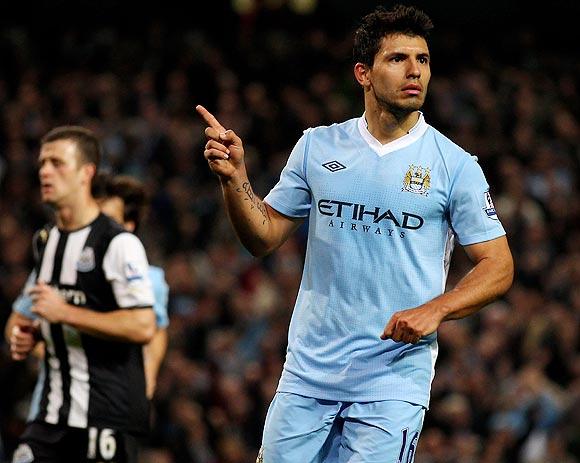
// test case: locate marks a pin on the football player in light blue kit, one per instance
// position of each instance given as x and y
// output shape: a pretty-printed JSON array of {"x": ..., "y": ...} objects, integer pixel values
[
  {"x": 386, "y": 195},
  {"x": 123, "y": 199}
]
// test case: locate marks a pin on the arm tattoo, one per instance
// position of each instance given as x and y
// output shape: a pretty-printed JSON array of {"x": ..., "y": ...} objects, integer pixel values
[{"x": 255, "y": 201}]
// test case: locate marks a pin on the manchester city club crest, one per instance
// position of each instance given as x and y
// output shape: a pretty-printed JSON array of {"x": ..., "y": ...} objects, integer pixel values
[{"x": 417, "y": 180}]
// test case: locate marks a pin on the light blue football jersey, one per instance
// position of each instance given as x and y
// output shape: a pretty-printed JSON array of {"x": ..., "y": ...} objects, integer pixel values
[
  {"x": 161, "y": 296},
  {"x": 23, "y": 303},
  {"x": 382, "y": 222}
]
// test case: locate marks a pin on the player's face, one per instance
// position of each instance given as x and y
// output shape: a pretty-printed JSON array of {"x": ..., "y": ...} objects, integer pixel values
[
  {"x": 400, "y": 73},
  {"x": 114, "y": 207},
  {"x": 61, "y": 176}
]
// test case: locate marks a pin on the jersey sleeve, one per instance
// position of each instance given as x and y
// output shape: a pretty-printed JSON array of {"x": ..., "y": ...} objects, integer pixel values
[
  {"x": 23, "y": 303},
  {"x": 471, "y": 210},
  {"x": 291, "y": 195},
  {"x": 161, "y": 294},
  {"x": 126, "y": 268}
]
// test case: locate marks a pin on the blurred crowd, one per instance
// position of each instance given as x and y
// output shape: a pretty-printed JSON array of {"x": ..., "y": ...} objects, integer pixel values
[{"x": 507, "y": 387}]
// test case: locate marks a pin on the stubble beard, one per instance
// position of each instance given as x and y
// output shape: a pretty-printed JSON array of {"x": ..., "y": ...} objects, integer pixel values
[{"x": 398, "y": 110}]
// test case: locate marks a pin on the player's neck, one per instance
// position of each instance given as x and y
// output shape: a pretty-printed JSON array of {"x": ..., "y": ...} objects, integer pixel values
[
  {"x": 386, "y": 127},
  {"x": 77, "y": 215}
]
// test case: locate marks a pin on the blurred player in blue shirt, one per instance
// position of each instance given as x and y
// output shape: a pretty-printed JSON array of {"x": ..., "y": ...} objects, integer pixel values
[{"x": 386, "y": 196}]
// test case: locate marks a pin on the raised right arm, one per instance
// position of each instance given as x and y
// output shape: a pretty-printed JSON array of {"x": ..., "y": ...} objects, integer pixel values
[{"x": 260, "y": 228}]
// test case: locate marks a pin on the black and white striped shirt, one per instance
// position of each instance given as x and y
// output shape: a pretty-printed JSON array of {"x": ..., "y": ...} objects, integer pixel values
[{"x": 91, "y": 381}]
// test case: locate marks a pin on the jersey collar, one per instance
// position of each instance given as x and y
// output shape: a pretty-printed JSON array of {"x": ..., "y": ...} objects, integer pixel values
[{"x": 410, "y": 137}]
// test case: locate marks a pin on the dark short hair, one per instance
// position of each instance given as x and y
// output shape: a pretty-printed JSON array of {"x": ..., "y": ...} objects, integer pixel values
[
  {"x": 400, "y": 19},
  {"x": 88, "y": 145},
  {"x": 130, "y": 190}
]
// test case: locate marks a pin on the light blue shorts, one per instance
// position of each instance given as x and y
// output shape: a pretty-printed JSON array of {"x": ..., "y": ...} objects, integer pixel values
[{"x": 301, "y": 429}]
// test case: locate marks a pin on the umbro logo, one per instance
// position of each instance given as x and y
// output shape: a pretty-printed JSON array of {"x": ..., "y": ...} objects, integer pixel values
[{"x": 333, "y": 166}]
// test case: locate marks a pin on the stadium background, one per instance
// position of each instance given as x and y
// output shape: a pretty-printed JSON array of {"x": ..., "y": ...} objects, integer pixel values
[{"x": 506, "y": 86}]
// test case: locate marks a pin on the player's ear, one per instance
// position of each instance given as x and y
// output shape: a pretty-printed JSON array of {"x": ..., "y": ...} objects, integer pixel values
[
  {"x": 361, "y": 74},
  {"x": 89, "y": 171}
]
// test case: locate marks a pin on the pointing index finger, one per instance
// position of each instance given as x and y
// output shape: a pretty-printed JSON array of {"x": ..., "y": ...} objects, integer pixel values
[{"x": 209, "y": 118}]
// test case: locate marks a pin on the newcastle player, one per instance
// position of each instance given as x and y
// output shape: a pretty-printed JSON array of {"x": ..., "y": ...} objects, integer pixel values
[{"x": 93, "y": 298}]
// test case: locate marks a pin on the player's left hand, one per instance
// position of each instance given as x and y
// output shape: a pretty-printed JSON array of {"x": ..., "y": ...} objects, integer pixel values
[
  {"x": 48, "y": 303},
  {"x": 411, "y": 325}
]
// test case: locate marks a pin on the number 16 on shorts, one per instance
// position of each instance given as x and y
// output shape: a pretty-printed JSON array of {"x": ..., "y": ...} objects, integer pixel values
[
  {"x": 102, "y": 444},
  {"x": 410, "y": 450}
]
